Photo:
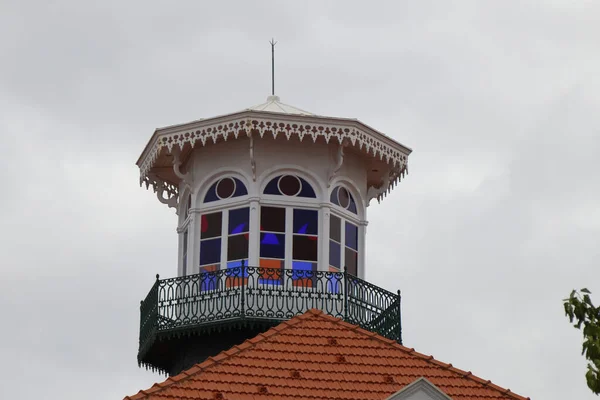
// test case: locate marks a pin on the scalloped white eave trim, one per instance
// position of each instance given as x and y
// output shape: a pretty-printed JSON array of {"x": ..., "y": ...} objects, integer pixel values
[{"x": 204, "y": 133}]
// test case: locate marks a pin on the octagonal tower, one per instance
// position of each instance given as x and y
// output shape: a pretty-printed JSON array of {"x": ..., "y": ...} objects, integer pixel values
[{"x": 272, "y": 205}]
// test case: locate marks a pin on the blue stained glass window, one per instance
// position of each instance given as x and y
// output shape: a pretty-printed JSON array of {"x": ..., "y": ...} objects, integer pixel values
[
  {"x": 240, "y": 188},
  {"x": 239, "y": 220},
  {"x": 272, "y": 245},
  {"x": 271, "y": 187},
  {"x": 306, "y": 221},
  {"x": 238, "y": 272},
  {"x": 351, "y": 261},
  {"x": 333, "y": 197},
  {"x": 226, "y": 191},
  {"x": 340, "y": 196},
  {"x": 351, "y": 236},
  {"x": 334, "y": 283},
  {"x": 352, "y": 206},
  {"x": 274, "y": 186},
  {"x": 307, "y": 190},
  {"x": 210, "y": 251},
  {"x": 302, "y": 269},
  {"x": 335, "y": 254}
]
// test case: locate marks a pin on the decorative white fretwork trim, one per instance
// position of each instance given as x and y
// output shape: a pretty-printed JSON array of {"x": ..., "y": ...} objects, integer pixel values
[{"x": 247, "y": 123}]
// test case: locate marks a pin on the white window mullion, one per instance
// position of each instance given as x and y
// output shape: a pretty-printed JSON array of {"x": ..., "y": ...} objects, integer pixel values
[
  {"x": 289, "y": 232},
  {"x": 224, "y": 237},
  {"x": 342, "y": 243},
  {"x": 254, "y": 238},
  {"x": 323, "y": 239}
]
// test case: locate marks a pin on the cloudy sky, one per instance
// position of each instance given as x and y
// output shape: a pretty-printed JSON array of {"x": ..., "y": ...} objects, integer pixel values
[{"x": 498, "y": 220}]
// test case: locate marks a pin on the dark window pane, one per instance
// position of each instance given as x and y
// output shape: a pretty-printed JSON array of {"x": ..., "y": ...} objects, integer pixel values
[
  {"x": 271, "y": 187},
  {"x": 239, "y": 220},
  {"x": 351, "y": 261},
  {"x": 351, "y": 235},
  {"x": 211, "y": 195},
  {"x": 307, "y": 190},
  {"x": 306, "y": 221},
  {"x": 210, "y": 251},
  {"x": 184, "y": 260},
  {"x": 304, "y": 248},
  {"x": 240, "y": 188},
  {"x": 334, "y": 254},
  {"x": 343, "y": 197},
  {"x": 272, "y": 245},
  {"x": 225, "y": 188},
  {"x": 272, "y": 219},
  {"x": 237, "y": 247},
  {"x": 333, "y": 198},
  {"x": 352, "y": 206},
  {"x": 335, "y": 230},
  {"x": 210, "y": 225},
  {"x": 289, "y": 185}
]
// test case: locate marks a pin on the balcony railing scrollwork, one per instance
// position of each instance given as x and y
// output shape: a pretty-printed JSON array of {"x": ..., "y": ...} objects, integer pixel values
[{"x": 242, "y": 294}]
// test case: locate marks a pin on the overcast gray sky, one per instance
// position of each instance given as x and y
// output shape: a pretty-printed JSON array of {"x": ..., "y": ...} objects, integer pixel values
[{"x": 498, "y": 220}]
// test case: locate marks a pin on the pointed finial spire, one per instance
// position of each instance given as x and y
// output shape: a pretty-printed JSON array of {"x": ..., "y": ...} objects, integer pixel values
[{"x": 273, "y": 43}]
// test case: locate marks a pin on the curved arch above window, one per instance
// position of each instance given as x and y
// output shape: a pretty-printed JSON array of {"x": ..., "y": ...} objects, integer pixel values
[
  {"x": 340, "y": 196},
  {"x": 225, "y": 188},
  {"x": 291, "y": 186}
]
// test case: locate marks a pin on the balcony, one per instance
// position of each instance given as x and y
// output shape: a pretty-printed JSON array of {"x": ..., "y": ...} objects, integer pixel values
[{"x": 186, "y": 319}]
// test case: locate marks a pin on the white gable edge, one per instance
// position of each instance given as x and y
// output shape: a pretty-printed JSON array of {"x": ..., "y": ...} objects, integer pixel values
[{"x": 421, "y": 389}]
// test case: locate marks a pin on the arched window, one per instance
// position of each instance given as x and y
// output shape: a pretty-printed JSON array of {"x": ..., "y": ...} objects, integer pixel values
[
  {"x": 290, "y": 185},
  {"x": 340, "y": 196},
  {"x": 343, "y": 233},
  {"x": 224, "y": 234},
  {"x": 289, "y": 232},
  {"x": 225, "y": 188}
]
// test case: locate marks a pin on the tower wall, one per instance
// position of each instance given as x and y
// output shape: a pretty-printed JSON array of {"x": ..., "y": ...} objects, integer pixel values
[{"x": 313, "y": 162}]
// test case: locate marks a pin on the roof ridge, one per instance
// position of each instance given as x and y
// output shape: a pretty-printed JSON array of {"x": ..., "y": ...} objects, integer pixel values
[
  {"x": 430, "y": 359},
  {"x": 216, "y": 359},
  {"x": 311, "y": 315}
]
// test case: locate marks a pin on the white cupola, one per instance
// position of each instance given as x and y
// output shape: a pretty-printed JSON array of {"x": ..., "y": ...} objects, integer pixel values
[{"x": 271, "y": 186}]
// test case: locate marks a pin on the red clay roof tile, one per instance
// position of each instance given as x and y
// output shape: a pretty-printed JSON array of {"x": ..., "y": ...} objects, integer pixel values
[{"x": 315, "y": 356}]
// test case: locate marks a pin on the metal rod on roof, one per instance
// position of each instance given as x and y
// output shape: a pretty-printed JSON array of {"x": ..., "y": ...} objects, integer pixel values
[{"x": 273, "y": 43}]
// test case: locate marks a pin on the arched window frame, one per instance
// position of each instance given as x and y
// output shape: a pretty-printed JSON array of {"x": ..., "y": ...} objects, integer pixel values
[
  {"x": 228, "y": 211},
  {"x": 345, "y": 220},
  {"x": 292, "y": 259}
]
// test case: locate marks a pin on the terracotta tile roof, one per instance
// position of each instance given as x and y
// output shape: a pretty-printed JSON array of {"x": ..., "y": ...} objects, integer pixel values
[{"x": 316, "y": 356}]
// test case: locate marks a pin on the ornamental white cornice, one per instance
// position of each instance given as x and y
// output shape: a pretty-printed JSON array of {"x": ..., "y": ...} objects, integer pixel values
[{"x": 246, "y": 123}]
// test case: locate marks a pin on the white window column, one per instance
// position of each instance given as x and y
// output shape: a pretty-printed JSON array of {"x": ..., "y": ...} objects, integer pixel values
[
  {"x": 194, "y": 242},
  {"x": 323, "y": 238},
  {"x": 254, "y": 238},
  {"x": 289, "y": 236},
  {"x": 362, "y": 230},
  {"x": 224, "y": 237}
]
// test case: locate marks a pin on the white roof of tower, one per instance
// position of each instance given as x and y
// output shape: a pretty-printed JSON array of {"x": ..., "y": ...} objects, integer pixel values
[{"x": 273, "y": 104}]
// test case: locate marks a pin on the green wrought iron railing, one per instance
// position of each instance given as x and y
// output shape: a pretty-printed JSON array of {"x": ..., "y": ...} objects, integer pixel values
[{"x": 195, "y": 302}]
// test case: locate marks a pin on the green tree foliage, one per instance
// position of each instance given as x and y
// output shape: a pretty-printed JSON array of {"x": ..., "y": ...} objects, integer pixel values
[{"x": 581, "y": 312}]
